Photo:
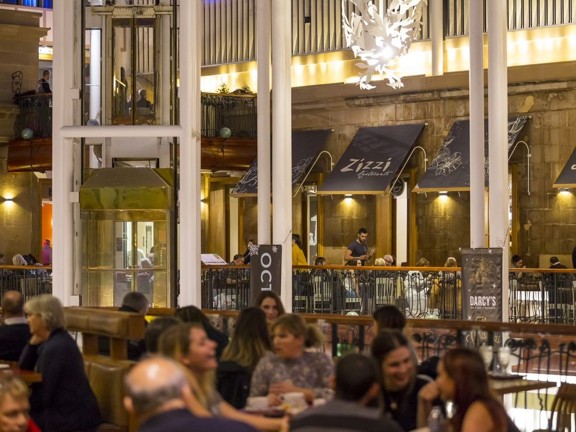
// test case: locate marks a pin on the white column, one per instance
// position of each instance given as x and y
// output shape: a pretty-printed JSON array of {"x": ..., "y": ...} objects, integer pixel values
[
  {"x": 498, "y": 137},
  {"x": 282, "y": 142},
  {"x": 263, "y": 18},
  {"x": 189, "y": 193},
  {"x": 437, "y": 36},
  {"x": 477, "y": 204},
  {"x": 64, "y": 93}
]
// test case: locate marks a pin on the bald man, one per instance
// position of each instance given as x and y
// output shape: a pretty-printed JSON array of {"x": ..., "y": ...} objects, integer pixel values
[
  {"x": 158, "y": 394},
  {"x": 14, "y": 333}
]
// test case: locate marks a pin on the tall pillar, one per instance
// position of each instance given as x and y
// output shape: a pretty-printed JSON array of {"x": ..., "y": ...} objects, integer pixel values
[
  {"x": 264, "y": 33},
  {"x": 190, "y": 142},
  {"x": 476, "y": 79},
  {"x": 498, "y": 137},
  {"x": 65, "y": 97},
  {"x": 281, "y": 141},
  {"x": 437, "y": 36}
]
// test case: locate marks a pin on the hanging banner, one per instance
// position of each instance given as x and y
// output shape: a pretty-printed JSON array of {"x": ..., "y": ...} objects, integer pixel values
[
  {"x": 482, "y": 284},
  {"x": 265, "y": 269}
]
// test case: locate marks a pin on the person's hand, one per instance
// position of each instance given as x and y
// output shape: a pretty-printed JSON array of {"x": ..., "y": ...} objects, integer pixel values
[
  {"x": 281, "y": 387},
  {"x": 274, "y": 399},
  {"x": 429, "y": 392},
  {"x": 37, "y": 339}
]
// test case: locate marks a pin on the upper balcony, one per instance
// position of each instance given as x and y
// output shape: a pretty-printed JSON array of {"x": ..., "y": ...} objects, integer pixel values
[{"x": 228, "y": 131}]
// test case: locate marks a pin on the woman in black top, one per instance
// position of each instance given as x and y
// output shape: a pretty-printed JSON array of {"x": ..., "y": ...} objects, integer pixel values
[
  {"x": 63, "y": 401},
  {"x": 399, "y": 381}
]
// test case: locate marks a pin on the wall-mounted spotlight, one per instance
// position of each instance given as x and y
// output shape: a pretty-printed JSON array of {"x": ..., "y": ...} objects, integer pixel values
[
  {"x": 347, "y": 195},
  {"x": 443, "y": 193}
]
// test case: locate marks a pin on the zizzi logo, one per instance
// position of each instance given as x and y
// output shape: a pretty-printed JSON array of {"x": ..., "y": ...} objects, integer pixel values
[
  {"x": 573, "y": 167},
  {"x": 368, "y": 168}
]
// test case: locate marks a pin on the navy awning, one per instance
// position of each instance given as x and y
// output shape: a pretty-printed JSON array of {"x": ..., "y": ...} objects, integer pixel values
[
  {"x": 450, "y": 169},
  {"x": 306, "y": 145},
  {"x": 567, "y": 178},
  {"x": 372, "y": 160}
]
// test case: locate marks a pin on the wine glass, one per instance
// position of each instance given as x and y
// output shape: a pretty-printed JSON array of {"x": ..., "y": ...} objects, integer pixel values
[
  {"x": 504, "y": 358},
  {"x": 487, "y": 353}
]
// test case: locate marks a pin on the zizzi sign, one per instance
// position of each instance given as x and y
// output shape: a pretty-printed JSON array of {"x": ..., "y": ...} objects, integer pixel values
[
  {"x": 368, "y": 168},
  {"x": 265, "y": 269}
]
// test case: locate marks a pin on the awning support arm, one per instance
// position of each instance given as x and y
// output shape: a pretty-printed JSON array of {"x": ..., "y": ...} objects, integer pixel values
[
  {"x": 406, "y": 162},
  {"x": 528, "y": 156},
  {"x": 312, "y": 167}
]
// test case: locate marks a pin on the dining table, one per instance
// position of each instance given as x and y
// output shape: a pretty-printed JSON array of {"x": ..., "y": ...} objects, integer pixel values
[
  {"x": 29, "y": 377},
  {"x": 517, "y": 384}
]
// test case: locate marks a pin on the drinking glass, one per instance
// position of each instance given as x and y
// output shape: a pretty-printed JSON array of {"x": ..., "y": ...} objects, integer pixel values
[
  {"x": 504, "y": 358},
  {"x": 487, "y": 353}
]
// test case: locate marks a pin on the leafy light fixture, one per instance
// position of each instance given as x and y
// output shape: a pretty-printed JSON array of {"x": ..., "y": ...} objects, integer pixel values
[{"x": 379, "y": 39}]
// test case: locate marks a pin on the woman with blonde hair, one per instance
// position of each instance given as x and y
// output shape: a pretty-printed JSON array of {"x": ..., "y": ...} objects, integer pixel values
[{"x": 189, "y": 345}]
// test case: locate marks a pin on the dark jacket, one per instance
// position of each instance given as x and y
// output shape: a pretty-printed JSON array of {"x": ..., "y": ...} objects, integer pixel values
[
  {"x": 182, "y": 420},
  {"x": 13, "y": 339},
  {"x": 63, "y": 401},
  {"x": 233, "y": 383}
]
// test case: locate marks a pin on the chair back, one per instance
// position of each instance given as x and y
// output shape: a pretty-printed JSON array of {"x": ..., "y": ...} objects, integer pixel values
[{"x": 563, "y": 414}]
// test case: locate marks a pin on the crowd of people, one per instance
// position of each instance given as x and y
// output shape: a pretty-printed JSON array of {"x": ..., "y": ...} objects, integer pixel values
[{"x": 190, "y": 376}]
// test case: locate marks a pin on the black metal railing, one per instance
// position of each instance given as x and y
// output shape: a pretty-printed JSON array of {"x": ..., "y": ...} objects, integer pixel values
[
  {"x": 35, "y": 114},
  {"x": 535, "y": 296},
  {"x": 235, "y": 112},
  {"x": 29, "y": 280}
]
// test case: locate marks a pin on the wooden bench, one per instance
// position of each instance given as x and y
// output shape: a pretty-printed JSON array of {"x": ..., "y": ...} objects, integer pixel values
[{"x": 106, "y": 373}]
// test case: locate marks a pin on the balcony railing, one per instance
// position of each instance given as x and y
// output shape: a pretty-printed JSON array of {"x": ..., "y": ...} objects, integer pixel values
[
  {"x": 35, "y": 114},
  {"x": 235, "y": 112},
  {"x": 536, "y": 295},
  {"x": 29, "y": 280}
]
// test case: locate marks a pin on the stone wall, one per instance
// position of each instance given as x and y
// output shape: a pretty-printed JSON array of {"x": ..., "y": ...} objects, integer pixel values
[{"x": 19, "y": 220}]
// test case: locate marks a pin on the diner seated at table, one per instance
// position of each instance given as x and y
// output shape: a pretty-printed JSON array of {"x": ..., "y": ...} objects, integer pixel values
[
  {"x": 14, "y": 331},
  {"x": 271, "y": 304},
  {"x": 462, "y": 379},
  {"x": 14, "y": 406},
  {"x": 355, "y": 386},
  {"x": 291, "y": 368},
  {"x": 63, "y": 400},
  {"x": 192, "y": 314},
  {"x": 399, "y": 381},
  {"x": 249, "y": 343},
  {"x": 160, "y": 396},
  {"x": 189, "y": 345}
]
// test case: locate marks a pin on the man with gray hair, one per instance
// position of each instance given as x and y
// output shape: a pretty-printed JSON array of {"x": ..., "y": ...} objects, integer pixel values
[
  {"x": 14, "y": 333},
  {"x": 159, "y": 395}
]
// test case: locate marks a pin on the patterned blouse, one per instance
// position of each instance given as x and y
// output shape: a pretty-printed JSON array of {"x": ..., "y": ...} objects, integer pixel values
[{"x": 310, "y": 370}]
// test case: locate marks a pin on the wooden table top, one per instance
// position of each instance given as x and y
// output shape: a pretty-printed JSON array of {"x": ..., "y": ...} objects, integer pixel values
[
  {"x": 29, "y": 377},
  {"x": 517, "y": 385}
]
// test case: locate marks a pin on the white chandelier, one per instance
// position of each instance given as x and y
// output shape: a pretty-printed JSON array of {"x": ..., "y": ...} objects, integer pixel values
[{"x": 378, "y": 39}]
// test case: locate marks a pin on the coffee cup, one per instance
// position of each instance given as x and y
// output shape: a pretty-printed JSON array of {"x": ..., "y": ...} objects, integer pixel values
[
  {"x": 295, "y": 399},
  {"x": 257, "y": 403}
]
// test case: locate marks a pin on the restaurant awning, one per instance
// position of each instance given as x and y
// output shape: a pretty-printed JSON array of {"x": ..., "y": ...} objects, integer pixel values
[
  {"x": 567, "y": 178},
  {"x": 372, "y": 160},
  {"x": 450, "y": 169},
  {"x": 306, "y": 146}
]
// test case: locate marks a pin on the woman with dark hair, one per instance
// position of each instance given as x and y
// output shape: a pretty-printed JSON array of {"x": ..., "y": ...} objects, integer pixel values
[
  {"x": 388, "y": 316},
  {"x": 462, "y": 379},
  {"x": 399, "y": 382},
  {"x": 191, "y": 314},
  {"x": 250, "y": 342},
  {"x": 291, "y": 368},
  {"x": 271, "y": 304}
]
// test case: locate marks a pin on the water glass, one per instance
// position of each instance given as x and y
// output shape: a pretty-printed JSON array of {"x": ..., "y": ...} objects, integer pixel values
[
  {"x": 504, "y": 358},
  {"x": 487, "y": 353}
]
